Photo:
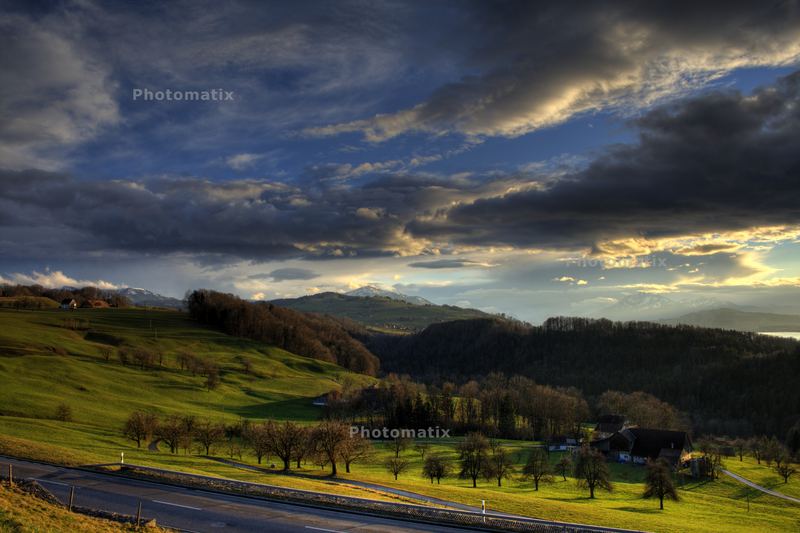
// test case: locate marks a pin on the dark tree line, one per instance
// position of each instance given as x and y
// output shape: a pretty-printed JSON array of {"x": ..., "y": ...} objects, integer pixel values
[
  {"x": 730, "y": 382},
  {"x": 496, "y": 405},
  {"x": 309, "y": 335}
]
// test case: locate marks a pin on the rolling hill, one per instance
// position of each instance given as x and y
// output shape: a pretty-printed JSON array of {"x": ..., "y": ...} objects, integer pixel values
[
  {"x": 380, "y": 312},
  {"x": 52, "y": 357}
]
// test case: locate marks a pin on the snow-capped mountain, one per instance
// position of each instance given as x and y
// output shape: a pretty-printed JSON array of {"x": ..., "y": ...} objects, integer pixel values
[
  {"x": 144, "y": 297},
  {"x": 371, "y": 291}
]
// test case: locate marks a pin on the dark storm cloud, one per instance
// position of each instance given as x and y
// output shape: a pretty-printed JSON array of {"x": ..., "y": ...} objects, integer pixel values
[
  {"x": 286, "y": 274},
  {"x": 535, "y": 64},
  {"x": 722, "y": 161},
  {"x": 447, "y": 263}
]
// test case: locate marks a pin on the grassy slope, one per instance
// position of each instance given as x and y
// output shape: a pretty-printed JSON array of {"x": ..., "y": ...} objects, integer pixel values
[
  {"x": 764, "y": 475},
  {"x": 380, "y": 312},
  {"x": 23, "y": 513},
  {"x": 34, "y": 383}
]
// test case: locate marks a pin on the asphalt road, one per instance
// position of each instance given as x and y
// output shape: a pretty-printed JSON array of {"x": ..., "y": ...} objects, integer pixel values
[{"x": 195, "y": 510}]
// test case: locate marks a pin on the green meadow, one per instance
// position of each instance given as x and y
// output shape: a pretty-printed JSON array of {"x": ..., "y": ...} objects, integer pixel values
[{"x": 54, "y": 357}]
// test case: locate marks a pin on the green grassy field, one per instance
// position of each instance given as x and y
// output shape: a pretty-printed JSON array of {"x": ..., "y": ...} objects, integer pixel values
[{"x": 42, "y": 364}]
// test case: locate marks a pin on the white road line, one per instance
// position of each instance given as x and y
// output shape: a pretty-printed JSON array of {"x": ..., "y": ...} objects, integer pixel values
[
  {"x": 177, "y": 505},
  {"x": 50, "y": 481},
  {"x": 323, "y": 529}
]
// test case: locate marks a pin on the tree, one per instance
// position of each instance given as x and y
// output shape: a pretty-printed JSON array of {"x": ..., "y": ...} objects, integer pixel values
[
  {"x": 64, "y": 412},
  {"x": 784, "y": 467},
  {"x": 563, "y": 466},
  {"x": 330, "y": 437},
  {"x": 435, "y": 467},
  {"x": 756, "y": 445},
  {"x": 400, "y": 444},
  {"x": 739, "y": 445},
  {"x": 591, "y": 470},
  {"x": 422, "y": 448},
  {"x": 208, "y": 433},
  {"x": 139, "y": 426},
  {"x": 356, "y": 448},
  {"x": 171, "y": 431},
  {"x": 658, "y": 482},
  {"x": 284, "y": 439},
  {"x": 537, "y": 469},
  {"x": 212, "y": 380},
  {"x": 258, "y": 438},
  {"x": 396, "y": 465},
  {"x": 772, "y": 450},
  {"x": 473, "y": 456},
  {"x": 499, "y": 466}
]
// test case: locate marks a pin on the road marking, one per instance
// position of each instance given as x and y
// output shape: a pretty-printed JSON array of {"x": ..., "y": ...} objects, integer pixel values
[
  {"x": 178, "y": 505},
  {"x": 50, "y": 481},
  {"x": 323, "y": 529}
]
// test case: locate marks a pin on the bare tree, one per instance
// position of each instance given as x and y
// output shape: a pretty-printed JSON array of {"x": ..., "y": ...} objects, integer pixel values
[
  {"x": 171, "y": 430},
  {"x": 658, "y": 482},
  {"x": 330, "y": 437},
  {"x": 563, "y": 466},
  {"x": 537, "y": 469},
  {"x": 422, "y": 448},
  {"x": 784, "y": 467},
  {"x": 591, "y": 470},
  {"x": 139, "y": 426},
  {"x": 208, "y": 434},
  {"x": 284, "y": 440},
  {"x": 400, "y": 444},
  {"x": 396, "y": 465},
  {"x": 257, "y": 437},
  {"x": 500, "y": 466},
  {"x": 435, "y": 467},
  {"x": 473, "y": 456},
  {"x": 355, "y": 448}
]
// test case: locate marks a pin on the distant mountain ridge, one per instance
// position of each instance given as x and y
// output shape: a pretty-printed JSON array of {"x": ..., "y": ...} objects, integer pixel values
[
  {"x": 380, "y": 312},
  {"x": 648, "y": 306},
  {"x": 147, "y": 298},
  {"x": 371, "y": 291},
  {"x": 727, "y": 318}
]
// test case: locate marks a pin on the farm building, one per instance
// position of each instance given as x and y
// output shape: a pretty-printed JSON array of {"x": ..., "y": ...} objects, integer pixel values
[{"x": 68, "y": 303}]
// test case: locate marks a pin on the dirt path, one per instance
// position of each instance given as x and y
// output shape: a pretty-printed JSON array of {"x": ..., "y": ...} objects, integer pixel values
[{"x": 765, "y": 490}]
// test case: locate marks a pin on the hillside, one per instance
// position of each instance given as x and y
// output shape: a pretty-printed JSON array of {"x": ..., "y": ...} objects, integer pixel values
[
  {"x": 52, "y": 357},
  {"x": 380, "y": 312},
  {"x": 730, "y": 382},
  {"x": 739, "y": 320}
]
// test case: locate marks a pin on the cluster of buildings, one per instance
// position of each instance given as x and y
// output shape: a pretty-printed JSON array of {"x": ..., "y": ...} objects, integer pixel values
[{"x": 624, "y": 444}]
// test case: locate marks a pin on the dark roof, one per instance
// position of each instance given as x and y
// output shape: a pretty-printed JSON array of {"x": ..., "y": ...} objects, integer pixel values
[
  {"x": 650, "y": 442},
  {"x": 67, "y": 301},
  {"x": 610, "y": 423},
  {"x": 617, "y": 442}
]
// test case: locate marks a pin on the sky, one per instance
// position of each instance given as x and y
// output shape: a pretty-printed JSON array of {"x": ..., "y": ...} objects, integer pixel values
[{"x": 535, "y": 159}]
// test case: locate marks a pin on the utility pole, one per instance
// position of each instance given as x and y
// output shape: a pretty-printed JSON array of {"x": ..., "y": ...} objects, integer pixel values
[
  {"x": 139, "y": 514},
  {"x": 71, "y": 497}
]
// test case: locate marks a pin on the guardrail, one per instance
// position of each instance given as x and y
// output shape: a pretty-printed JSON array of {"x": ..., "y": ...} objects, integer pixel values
[{"x": 419, "y": 513}]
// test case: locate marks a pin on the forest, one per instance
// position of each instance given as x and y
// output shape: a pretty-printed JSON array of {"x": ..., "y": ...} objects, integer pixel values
[{"x": 728, "y": 382}]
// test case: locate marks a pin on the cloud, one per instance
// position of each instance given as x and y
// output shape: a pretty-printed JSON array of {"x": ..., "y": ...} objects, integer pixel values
[
  {"x": 286, "y": 274},
  {"x": 54, "y": 279},
  {"x": 534, "y": 65},
  {"x": 720, "y": 162},
  {"x": 449, "y": 263},
  {"x": 242, "y": 161},
  {"x": 55, "y": 93}
]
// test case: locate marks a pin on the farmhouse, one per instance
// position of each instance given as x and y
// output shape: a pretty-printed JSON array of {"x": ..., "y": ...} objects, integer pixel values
[
  {"x": 638, "y": 445},
  {"x": 562, "y": 444},
  {"x": 69, "y": 303}
]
